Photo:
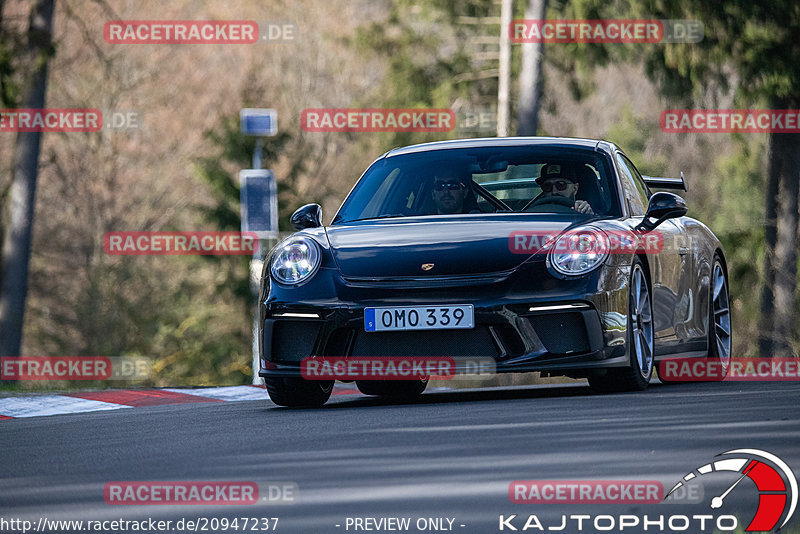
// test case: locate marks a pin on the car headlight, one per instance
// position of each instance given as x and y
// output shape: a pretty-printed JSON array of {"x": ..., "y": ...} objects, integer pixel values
[
  {"x": 579, "y": 251},
  {"x": 295, "y": 260}
]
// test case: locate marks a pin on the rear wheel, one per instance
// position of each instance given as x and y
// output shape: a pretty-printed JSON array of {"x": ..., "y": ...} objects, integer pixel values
[
  {"x": 719, "y": 326},
  {"x": 393, "y": 388},
  {"x": 298, "y": 392},
  {"x": 719, "y": 319},
  {"x": 637, "y": 375}
]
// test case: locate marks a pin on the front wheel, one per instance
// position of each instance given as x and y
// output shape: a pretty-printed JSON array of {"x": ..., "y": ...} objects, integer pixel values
[
  {"x": 636, "y": 376},
  {"x": 298, "y": 391}
]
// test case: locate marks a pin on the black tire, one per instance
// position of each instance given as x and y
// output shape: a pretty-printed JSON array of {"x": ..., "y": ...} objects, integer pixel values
[
  {"x": 393, "y": 388},
  {"x": 719, "y": 318},
  {"x": 296, "y": 392},
  {"x": 636, "y": 376}
]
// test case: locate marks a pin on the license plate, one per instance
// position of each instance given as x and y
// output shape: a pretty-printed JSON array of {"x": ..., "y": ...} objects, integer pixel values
[{"x": 419, "y": 318}]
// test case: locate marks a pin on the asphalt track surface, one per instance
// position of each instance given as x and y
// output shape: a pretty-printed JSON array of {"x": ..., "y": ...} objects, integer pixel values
[{"x": 451, "y": 454}]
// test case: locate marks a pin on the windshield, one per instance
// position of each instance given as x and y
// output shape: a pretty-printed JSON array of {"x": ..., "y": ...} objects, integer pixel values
[{"x": 483, "y": 180}]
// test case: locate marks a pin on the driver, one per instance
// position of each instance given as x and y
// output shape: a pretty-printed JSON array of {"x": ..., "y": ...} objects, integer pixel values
[{"x": 560, "y": 185}]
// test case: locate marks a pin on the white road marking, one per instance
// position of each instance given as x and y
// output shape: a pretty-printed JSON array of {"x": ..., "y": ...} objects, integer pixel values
[
  {"x": 231, "y": 393},
  {"x": 35, "y": 406}
]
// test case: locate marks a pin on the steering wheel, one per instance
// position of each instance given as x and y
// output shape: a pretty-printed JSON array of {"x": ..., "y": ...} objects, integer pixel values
[{"x": 555, "y": 200}]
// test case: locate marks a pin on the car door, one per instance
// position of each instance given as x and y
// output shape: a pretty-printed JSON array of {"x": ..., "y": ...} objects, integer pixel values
[{"x": 669, "y": 268}]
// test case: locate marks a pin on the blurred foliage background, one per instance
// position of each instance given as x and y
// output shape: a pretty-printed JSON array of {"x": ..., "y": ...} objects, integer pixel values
[{"x": 179, "y": 171}]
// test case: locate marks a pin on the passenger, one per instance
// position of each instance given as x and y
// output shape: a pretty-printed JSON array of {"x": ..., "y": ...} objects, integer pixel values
[{"x": 449, "y": 192}]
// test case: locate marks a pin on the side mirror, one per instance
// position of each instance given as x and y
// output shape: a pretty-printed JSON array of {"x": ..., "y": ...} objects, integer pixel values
[
  {"x": 662, "y": 206},
  {"x": 308, "y": 216}
]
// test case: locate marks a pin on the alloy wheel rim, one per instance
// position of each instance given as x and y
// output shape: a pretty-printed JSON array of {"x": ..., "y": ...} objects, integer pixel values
[
  {"x": 642, "y": 323},
  {"x": 722, "y": 316}
]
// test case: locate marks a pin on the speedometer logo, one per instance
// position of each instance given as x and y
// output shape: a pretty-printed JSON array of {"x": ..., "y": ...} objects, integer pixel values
[{"x": 775, "y": 481}]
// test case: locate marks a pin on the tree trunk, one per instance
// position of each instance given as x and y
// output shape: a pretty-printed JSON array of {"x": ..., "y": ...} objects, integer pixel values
[
  {"x": 785, "y": 256},
  {"x": 17, "y": 240},
  {"x": 774, "y": 171},
  {"x": 530, "y": 77},
  {"x": 782, "y": 217},
  {"x": 504, "y": 76}
]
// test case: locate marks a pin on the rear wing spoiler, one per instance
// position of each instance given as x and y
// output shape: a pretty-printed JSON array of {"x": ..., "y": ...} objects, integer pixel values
[{"x": 666, "y": 183}]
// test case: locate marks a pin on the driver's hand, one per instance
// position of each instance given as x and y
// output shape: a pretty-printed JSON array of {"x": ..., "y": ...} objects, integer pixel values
[{"x": 581, "y": 206}]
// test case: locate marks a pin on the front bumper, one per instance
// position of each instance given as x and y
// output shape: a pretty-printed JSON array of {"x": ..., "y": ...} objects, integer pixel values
[{"x": 559, "y": 337}]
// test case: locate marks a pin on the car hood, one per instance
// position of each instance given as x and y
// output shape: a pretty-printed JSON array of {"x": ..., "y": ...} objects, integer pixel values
[{"x": 455, "y": 245}]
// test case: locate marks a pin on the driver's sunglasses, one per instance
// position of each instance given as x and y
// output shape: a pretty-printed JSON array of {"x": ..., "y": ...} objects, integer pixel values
[
  {"x": 452, "y": 186},
  {"x": 560, "y": 185}
]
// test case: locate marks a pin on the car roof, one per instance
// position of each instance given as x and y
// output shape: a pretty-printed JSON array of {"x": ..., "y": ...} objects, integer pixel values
[{"x": 553, "y": 142}]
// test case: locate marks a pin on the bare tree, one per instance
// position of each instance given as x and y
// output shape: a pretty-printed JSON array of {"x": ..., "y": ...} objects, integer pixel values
[
  {"x": 503, "y": 102},
  {"x": 17, "y": 242},
  {"x": 530, "y": 77}
]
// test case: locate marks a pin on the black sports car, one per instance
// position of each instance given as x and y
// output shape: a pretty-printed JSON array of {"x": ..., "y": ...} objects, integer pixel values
[{"x": 467, "y": 249}]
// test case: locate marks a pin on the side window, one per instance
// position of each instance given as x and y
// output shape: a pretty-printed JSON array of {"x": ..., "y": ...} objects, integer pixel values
[
  {"x": 638, "y": 181},
  {"x": 635, "y": 194}
]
